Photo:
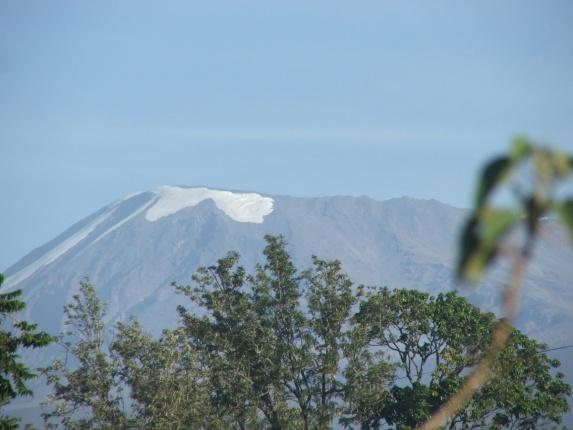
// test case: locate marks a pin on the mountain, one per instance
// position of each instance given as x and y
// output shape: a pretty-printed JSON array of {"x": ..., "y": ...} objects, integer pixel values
[{"x": 133, "y": 249}]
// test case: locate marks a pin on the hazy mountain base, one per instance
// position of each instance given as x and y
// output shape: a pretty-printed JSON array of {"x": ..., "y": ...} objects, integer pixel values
[{"x": 404, "y": 243}]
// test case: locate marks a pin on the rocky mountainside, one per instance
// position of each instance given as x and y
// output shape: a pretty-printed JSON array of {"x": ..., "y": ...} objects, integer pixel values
[{"x": 133, "y": 249}]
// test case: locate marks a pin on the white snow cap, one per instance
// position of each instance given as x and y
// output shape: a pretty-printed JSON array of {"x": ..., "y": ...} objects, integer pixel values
[{"x": 241, "y": 207}]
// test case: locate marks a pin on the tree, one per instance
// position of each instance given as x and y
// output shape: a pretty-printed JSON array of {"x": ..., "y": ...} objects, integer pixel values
[
  {"x": 435, "y": 342},
  {"x": 250, "y": 338},
  {"x": 284, "y": 349},
  {"x": 288, "y": 350},
  {"x": 87, "y": 392},
  {"x": 13, "y": 373},
  {"x": 159, "y": 378},
  {"x": 274, "y": 354},
  {"x": 164, "y": 378},
  {"x": 330, "y": 298}
]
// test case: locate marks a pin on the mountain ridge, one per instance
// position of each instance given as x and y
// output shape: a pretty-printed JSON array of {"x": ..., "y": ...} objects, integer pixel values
[
  {"x": 37, "y": 252},
  {"x": 400, "y": 243}
]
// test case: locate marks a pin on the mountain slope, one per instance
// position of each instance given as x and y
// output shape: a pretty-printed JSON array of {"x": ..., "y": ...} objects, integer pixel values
[{"x": 133, "y": 249}]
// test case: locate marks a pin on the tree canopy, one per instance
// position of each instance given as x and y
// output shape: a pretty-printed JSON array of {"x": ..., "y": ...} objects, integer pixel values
[
  {"x": 281, "y": 348},
  {"x": 15, "y": 335},
  {"x": 435, "y": 342}
]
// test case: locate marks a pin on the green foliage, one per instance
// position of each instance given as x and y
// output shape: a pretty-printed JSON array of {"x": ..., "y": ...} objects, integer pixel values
[
  {"x": 272, "y": 363},
  {"x": 164, "y": 379},
  {"x": 160, "y": 379},
  {"x": 525, "y": 390},
  {"x": 86, "y": 387},
  {"x": 13, "y": 373},
  {"x": 330, "y": 299},
  {"x": 532, "y": 173},
  {"x": 285, "y": 349},
  {"x": 435, "y": 341}
]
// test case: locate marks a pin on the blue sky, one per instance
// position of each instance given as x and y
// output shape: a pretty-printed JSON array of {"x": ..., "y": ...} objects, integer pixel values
[{"x": 101, "y": 99}]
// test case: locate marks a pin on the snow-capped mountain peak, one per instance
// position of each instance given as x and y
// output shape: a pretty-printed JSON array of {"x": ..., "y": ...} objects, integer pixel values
[
  {"x": 241, "y": 207},
  {"x": 156, "y": 204}
]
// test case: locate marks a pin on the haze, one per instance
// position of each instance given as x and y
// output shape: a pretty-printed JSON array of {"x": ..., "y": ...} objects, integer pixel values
[{"x": 99, "y": 100}]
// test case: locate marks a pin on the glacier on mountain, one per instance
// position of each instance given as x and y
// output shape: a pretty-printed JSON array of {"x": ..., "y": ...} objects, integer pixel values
[{"x": 241, "y": 207}]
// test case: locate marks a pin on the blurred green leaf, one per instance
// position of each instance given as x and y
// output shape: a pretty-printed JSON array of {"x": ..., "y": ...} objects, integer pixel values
[
  {"x": 469, "y": 244},
  {"x": 565, "y": 211},
  {"x": 521, "y": 147},
  {"x": 492, "y": 175},
  {"x": 481, "y": 239},
  {"x": 543, "y": 166},
  {"x": 562, "y": 165}
]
